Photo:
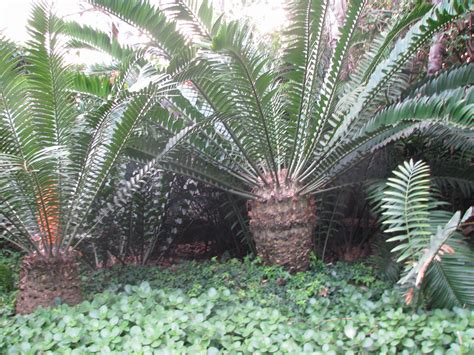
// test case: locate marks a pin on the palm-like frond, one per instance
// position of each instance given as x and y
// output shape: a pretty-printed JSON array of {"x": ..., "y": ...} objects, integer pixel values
[
  {"x": 435, "y": 256},
  {"x": 407, "y": 208},
  {"x": 196, "y": 18},
  {"x": 462, "y": 75},
  {"x": 90, "y": 38},
  {"x": 54, "y": 159},
  {"x": 292, "y": 124},
  {"x": 452, "y": 107},
  {"x": 382, "y": 45},
  {"x": 151, "y": 21},
  {"x": 449, "y": 183},
  {"x": 239, "y": 220},
  {"x": 383, "y": 261},
  {"x": 450, "y": 282},
  {"x": 327, "y": 96},
  {"x": 137, "y": 216},
  {"x": 388, "y": 70},
  {"x": 95, "y": 86}
]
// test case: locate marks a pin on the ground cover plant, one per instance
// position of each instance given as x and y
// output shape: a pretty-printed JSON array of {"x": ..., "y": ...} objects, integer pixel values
[{"x": 212, "y": 307}]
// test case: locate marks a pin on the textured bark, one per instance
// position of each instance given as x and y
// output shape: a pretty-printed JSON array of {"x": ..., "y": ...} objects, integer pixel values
[
  {"x": 282, "y": 230},
  {"x": 435, "y": 57},
  {"x": 437, "y": 49},
  {"x": 47, "y": 282}
]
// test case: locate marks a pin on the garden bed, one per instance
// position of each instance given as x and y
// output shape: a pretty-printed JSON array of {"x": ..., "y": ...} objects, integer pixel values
[{"x": 232, "y": 307}]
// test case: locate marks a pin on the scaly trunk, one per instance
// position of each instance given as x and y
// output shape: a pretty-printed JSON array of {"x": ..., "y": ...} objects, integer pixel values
[
  {"x": 282, "y": 226},
  {"x": 48, "y": 281}
]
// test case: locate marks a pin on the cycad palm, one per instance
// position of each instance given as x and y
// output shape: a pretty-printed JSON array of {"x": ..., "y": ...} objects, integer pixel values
[
  {"x": 277, "y": 133},
  {"x": 53, "y": 158}
]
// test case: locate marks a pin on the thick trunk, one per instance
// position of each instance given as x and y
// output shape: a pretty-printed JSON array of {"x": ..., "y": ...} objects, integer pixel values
[
  {"x": 283, "y": 230},
  {"x": 47, "y": 282}
]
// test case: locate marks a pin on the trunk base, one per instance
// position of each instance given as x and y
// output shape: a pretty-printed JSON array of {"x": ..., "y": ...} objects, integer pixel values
[
  {"x": 283, "y": 231},
  {"x": 48, "y": 282}
]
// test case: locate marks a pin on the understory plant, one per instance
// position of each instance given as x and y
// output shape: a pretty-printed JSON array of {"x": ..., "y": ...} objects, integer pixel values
[
  {"x": 55, "y": 155},
  {"x": 239, "y": 307},
  {"x": 437, "y": 260},
  {"x": 279, "y": 131}
]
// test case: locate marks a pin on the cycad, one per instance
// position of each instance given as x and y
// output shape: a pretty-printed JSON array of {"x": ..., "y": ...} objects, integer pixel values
[
  {"x": 437, "y": 262},
  {"x": 54, "y": 159},
  {"x": 279, "y": 132}
]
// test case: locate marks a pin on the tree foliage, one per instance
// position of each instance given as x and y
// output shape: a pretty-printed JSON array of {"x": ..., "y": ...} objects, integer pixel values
[
  {"x": 437, "y": 261},
  {"x": 54, "y": 157},
  {"x": 247, "y": 125}
]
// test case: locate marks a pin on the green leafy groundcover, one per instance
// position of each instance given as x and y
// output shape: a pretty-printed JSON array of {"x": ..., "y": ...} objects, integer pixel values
[{"x": 233, "y": 307}]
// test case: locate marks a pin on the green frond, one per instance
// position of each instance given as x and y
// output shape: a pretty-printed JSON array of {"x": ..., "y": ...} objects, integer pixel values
[
  {"x": 379, "y": 51},
  {"x": 298, "y": 117},
  {"x": 55, "y": 158},
  {"x": 330, "y": 215},
  {"x": 15, "y": 117},
  {"x": 448, "y": 79},
  {"x": 406, "y": 207},
  {"x": 423, "y": 261},
  {"x": 206, "y": 173},
  {"x": 49, "y": 79},
  {"x": 117, "y": 124},
  {"x": 38, "y": 116},
  {"x": 91, "y": 85},
  {"x": 181, "y": 161},
  {"x": 173, "y": 155},
  {"x": 388, "y": 70},
  {"x": 383, "y": 261},
  {"x": 215, "y": 95},
  {"x": 450, "y": 283},
  {"x": 449, "y": 183},
  {"x": 436, "y": 258},
  {"x": 419, "y": 34},
  {"x": 304, "y": 50},
  {"x": 196, "y": 18},
  {"x": 250, "y": 84},
  {"x": 91, "y": 38},
  {"x": 454, "y": 107},
  {"x": 240, "y": 220},
  {"x": 327, "y": 95},
  {"x": 458, "y": 138},
  {"x": 150, "y": 20},
  {"x": 343, "y": 156}
]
